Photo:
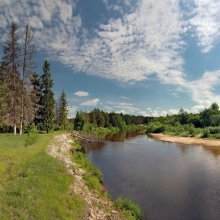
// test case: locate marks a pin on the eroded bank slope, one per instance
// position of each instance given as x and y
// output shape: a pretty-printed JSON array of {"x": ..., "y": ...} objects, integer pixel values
[{"x": 96, "y": 206}]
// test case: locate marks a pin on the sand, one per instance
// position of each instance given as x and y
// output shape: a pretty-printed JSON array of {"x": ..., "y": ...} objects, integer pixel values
[{"x": 187, "y": 140}]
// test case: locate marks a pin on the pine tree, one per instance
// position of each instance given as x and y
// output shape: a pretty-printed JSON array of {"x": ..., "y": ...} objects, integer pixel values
[
  {"x": 78, "y": 121},
  {"x": 47, "y": 99},
  {"x": 11, "y": 61},
  {"x": 35, "y": 96},
  {"x": 63, "y": 110},
  {"x": 27, "y": 69}
]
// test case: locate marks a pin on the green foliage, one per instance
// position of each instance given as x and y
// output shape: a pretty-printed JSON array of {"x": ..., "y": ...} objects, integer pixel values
[
  {"x": 63, "y": 111},
  {"x": 99, "y": 132},
  {"x": 32, "y": 135},
  {"x": 155, "y": 127},
  {"x": 99, "y": 118},
  {"x": 93, "y": 176},
  {"x": 86, "y": 164},
  {"x": 130, "y": 209},
  {"x": 78, "y": 121},
  {"x": 47, "y": 102},
  {"x": 206, "y": 124}
]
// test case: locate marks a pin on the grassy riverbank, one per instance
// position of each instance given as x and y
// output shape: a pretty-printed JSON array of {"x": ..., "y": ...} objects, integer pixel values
[{"x": 34, "y": 185}]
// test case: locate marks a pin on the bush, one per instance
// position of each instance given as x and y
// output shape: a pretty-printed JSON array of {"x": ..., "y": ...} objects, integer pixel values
[
  {"x": 130, "y": 209},
  {"x": 32, "y": 136},
  {"x": 206, "y": 133},
  {"x": 155, "y": 127}
]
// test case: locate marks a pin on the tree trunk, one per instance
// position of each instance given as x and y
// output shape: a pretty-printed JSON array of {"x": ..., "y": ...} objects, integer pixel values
[
  {"x": 15, "y": 129},
  {"x": 21, "y": 128},
  {"x": 22, "y": 113}
]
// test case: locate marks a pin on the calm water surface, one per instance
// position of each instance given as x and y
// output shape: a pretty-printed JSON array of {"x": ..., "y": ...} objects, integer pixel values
[{"x": 169, "y": 181}]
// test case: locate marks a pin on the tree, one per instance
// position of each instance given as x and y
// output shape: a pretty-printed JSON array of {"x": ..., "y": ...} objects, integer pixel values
[
  {"x": 78, "y": 121},
  {"x": 12, "y": 81},
  {"x": 3, "y": 93},
  {"x": 63, "y": 110},
  {"x": 27, "y": 65},
  {"x": 35, "y": 97},
  {"x": 47, "y": 101},
  {"x": 183, "y": 116}
]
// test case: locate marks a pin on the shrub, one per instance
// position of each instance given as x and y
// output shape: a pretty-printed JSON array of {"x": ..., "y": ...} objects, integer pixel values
[
  {"x": 206, "y": 133},
  {"x": 32, "y": 136},
  {"x": 129, "y": 208}
]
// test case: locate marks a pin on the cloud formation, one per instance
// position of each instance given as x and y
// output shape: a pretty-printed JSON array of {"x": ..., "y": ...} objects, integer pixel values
[
  {"x": 92, "y": 102},
  {"x": 144, "y": 39},
  {"x": 81, "y": 93}
]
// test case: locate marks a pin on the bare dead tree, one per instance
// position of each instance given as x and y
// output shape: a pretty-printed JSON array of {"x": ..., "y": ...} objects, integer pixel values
[
  {"x": 11, "y": 60},
  {"x": 28, "y": 108}
]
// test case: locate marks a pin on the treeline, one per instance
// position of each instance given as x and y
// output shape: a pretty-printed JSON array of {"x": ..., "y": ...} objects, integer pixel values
[
  {"x": 100, "y": 118},
  {"x": 205, "y": 124},
  {"x": 27, "y": 98}
]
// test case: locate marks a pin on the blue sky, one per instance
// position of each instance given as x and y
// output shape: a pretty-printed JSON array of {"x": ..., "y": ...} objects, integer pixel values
[{"x": 132, "y": 56}]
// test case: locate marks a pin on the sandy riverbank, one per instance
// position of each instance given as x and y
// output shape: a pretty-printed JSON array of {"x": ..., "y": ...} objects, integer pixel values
[{"x": 187, "y": 140}]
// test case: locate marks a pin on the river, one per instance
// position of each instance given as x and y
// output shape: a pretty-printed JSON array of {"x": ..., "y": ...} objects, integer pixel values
[{"x": 168, "y": 181}]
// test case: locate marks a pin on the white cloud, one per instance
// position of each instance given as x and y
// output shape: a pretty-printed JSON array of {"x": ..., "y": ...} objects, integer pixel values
[
  {"x": 81, "y": 93},
  {"x": 203, "y": 90},
  {"x": 35, "y": 22},
  {"x": 124, "y": 97},
  {"x": 121, "y": 107},
  {"x": 205, "y": 22},
  {"x": 92, "y": 102}
]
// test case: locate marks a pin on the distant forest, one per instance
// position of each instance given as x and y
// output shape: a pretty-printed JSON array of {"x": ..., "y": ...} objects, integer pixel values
[{"x": 204, "y": 124}]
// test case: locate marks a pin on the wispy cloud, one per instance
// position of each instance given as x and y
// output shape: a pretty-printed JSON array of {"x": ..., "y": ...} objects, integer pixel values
[
  {"x": 124, "y": 97},
  {"x": 205, "y": 22},
  {"x": 92, "y": 102},
  {"x": 81, "y": 93}
]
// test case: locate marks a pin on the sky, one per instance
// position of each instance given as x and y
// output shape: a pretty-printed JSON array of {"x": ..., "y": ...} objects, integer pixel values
[{"x": 141, "y": 57}]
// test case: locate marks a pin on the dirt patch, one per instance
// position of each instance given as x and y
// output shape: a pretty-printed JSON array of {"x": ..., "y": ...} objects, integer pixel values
[{"x": 97, "y": 207}]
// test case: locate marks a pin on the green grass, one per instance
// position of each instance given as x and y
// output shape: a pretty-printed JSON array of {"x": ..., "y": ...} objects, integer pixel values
[
  {"x": 93, "y": 175},
  {"x": 131, "y": 210},
  {"x": 34, "y": 185}
]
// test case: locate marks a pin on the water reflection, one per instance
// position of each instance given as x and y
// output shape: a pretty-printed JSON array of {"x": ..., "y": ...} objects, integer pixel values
[{"x": 169, "y": 181}]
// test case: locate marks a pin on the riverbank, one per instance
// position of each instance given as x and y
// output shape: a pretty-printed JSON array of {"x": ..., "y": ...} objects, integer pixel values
[
  {"x": 96, "y": 207},
  {"x": 186, "y": 140}
]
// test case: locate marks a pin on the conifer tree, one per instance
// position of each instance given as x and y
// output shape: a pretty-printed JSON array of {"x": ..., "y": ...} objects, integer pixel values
[
  {"x": 47, "y": 99},
  {"x": 63, "y": 110},
  {"x": 35, "y": 96}
]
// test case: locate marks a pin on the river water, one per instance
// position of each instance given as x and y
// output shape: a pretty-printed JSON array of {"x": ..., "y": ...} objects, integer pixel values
[{"x": 168, "y": 181}]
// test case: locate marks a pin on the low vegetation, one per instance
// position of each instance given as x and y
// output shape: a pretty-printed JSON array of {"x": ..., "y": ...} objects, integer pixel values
[
  {"x": 93, "y": 175},
  {"x": 34, "y": 185},
  {"x": 130, "y": 209}
]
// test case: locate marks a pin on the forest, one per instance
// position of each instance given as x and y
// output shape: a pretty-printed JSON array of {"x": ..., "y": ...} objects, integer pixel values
[{"x": 204, "y": 124}]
